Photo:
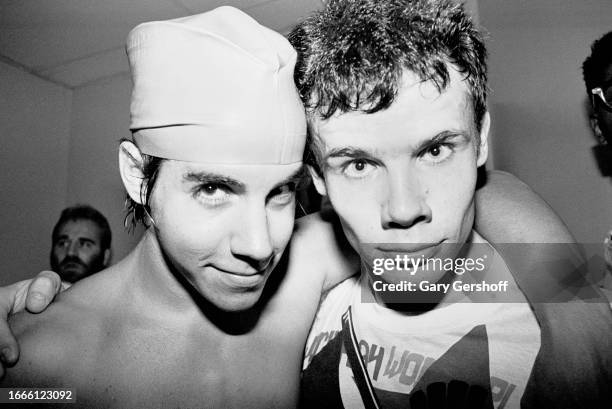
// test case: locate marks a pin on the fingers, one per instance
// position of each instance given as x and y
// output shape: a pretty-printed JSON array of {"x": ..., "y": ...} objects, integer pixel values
[
  {"x": 36, "y": 295},
  {"x": 9, "y": 349},
  {"x": 9, "y": 297},
  {"x": 42, "y": 291}
]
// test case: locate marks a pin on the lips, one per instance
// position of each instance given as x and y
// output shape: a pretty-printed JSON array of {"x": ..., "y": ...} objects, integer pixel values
[
  {"x": 240, "y": 273},
  {"x": 242, "y": 280},
  {"x": 243, "y": 268},
  {"x": 409, "y": 249},
  {"x": 71, "y": 265}
]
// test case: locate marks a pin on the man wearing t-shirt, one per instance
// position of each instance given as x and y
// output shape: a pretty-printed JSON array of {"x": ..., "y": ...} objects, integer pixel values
[{"x": 398, "y": 122}]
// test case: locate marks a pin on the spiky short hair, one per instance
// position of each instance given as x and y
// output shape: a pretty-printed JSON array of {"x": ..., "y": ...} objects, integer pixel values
[
  {"x": 351, "y": 54},
  {"x": 595, "y": 66}
]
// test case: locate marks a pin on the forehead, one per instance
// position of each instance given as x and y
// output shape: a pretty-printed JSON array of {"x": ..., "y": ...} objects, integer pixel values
[
  {"x": 418, "y": 111},
  {"x": 79, "y": 228}
]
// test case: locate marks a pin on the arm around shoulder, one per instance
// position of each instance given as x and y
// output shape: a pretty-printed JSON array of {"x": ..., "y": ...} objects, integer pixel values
[
  {"x": 319, "y": 245},
  {"x": 509, "y": 211}
]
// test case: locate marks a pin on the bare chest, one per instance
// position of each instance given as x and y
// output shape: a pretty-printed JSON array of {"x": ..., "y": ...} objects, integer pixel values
[{"x": 159, "y": 368}]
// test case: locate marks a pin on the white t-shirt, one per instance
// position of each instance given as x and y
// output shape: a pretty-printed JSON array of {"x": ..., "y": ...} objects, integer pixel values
[{"x": 463, "y": 348}]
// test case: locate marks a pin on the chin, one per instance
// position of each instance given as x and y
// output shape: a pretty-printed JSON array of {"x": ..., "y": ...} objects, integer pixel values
[
  {"x": 236, "y": 302},
  {"x": 71, "y": 276}
]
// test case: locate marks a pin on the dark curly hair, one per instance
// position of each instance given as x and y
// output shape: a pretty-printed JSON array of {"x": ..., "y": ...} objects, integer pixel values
[
  {"x": 351, "y": 54},
  {"x": 595, "y": 65}
]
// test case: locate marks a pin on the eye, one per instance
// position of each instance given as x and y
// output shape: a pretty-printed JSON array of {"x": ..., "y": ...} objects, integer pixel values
[
  {"x": 438, "y": 152},
  {"x": 61, "y": 243},
  {"x": 358, "y": 168},
  {"x": 283, "y": 194},
  {"x": 85, "y": 244},
  {"x": 212, "y": 193}
]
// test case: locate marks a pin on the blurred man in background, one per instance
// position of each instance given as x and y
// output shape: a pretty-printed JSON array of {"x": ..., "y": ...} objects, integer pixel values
[
  {"x": 81, "y": 243},
  {"x": 597, "y": 74}
]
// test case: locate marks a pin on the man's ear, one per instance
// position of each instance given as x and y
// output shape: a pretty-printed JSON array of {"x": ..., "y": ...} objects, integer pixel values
[
  {"x": 130, "y": 167},
  {"x": 483, "y": 149},
  {"x": 107, "y": 257},
  {"x": 318, "y": 180}
]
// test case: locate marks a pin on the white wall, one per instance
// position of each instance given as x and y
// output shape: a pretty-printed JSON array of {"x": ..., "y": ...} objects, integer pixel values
[
  {"x": 34, "y": 146},
  {"x": 58, "y": 147},
  {"x": 100, "y": 118},
  {"x": 540, "y": 127}
]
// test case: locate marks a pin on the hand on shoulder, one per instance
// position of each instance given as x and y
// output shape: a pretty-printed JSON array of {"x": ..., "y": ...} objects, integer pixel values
[{"x": 46, "y": 341}]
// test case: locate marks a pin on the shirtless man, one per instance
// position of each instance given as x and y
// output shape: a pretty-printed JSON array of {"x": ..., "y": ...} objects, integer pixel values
[
  {"x": 180, "y": 303},
  {"x": 191, "y": 317}
]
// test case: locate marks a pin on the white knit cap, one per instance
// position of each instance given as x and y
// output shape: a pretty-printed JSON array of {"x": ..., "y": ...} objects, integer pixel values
[{"x": 215, "y": 87}]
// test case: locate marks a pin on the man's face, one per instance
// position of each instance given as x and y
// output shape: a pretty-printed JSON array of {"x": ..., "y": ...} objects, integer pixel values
[
  {"x": 602, "y": 125},
  {"x": 402, "y": 180},
  {"x": 77, "y": 250},
  {"x": 224, "y": 227}
]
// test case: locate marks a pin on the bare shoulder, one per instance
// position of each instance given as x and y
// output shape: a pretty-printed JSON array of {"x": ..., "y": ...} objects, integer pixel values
[
  {"x": 45, "y": 342},
  {"x": 320, "y": 246},
  {"x": 55, "y": 343},
  {"x": 316, "y": 231}
]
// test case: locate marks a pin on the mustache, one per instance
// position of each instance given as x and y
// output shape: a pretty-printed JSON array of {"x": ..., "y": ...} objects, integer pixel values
[{"x": 72, "y": 259}]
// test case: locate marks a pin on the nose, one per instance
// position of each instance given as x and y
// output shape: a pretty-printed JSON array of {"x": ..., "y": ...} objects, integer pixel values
[
  {"x": 252, "y": 241},
  {"x": 406, "y": 203},
  {"x": 73, "y": 248}
]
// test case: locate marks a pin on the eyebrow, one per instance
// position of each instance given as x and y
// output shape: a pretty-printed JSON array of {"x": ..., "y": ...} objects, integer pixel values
[
  {"x": 65, "y": 236},
  {"x": 208, "y": 177},
  {"x": 442, "y": 137},
  {"x": 349, "y": 151},
  {"x": 57, "y": 239},
  {"x": 353, "y": 152}
]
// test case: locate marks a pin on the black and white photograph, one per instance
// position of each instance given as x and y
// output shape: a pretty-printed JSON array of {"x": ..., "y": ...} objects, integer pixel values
[{"x": 375, "y": 204}]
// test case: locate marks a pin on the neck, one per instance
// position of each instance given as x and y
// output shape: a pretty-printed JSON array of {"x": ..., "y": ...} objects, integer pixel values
[
  {"x": 416, "y": 301},
  {"x": 413, "y": 302},
  {"x": 153, "y": 283}
]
